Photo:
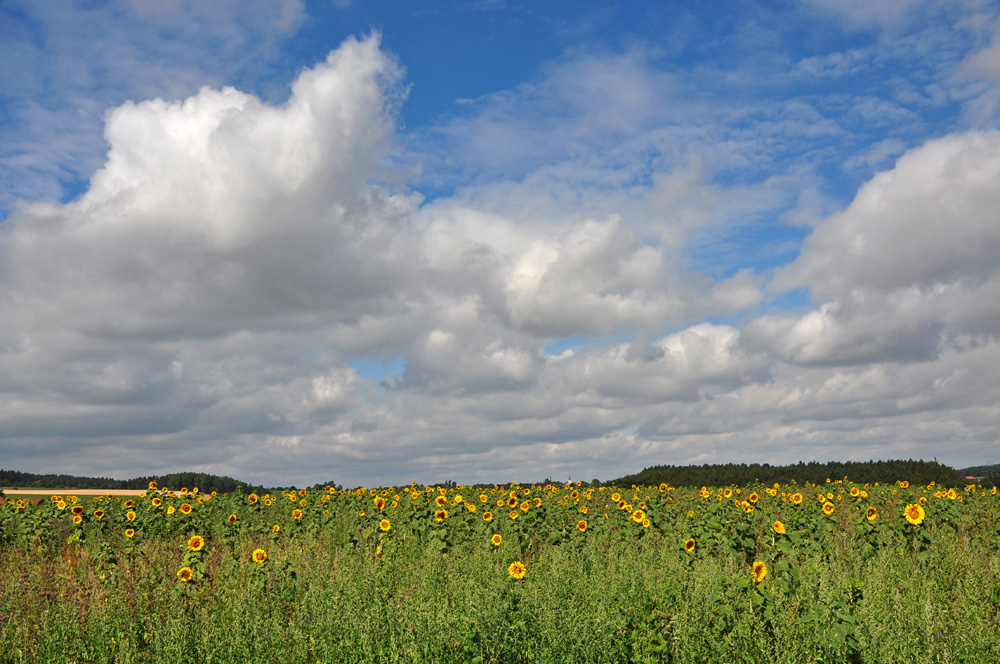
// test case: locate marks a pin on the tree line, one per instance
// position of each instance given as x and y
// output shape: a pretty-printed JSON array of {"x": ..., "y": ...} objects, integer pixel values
[
  {"x": 883, "y": 472},
  {"x": 205, "y": 482}
]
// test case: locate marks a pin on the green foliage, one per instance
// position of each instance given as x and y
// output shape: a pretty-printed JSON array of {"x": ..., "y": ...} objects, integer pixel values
[{"x": 336, "y": 584}]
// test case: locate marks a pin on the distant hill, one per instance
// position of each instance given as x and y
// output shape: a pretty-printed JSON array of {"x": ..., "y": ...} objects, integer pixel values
[
  {"x": 988, "y": 475},
  {"x": 916, "y": 472},
  {"x": 205, "y": 482}
]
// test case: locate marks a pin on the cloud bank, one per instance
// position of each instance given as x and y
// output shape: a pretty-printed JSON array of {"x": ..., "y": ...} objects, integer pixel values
[{"x": 216, "y": 297}]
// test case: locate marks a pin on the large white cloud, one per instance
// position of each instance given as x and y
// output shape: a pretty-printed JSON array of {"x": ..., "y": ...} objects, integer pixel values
[{"x": 206, "y": 302}]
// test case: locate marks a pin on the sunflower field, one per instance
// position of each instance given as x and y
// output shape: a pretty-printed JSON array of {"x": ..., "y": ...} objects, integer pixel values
[{"x": 834, "y": 572}]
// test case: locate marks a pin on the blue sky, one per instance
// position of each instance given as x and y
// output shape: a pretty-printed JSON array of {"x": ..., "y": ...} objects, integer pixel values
[{"x": 483, "y": 241}]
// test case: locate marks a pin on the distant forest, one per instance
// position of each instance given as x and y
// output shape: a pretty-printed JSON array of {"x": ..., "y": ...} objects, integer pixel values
[
  {"x": 206, "y": 483},
  {"x": 916, "y": 472}
]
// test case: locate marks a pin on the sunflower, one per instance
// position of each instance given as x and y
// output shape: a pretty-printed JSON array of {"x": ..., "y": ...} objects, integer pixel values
[
  {"x": 727, "y": 494},
  {"x": 77, "y": 519},
  {"x": 871, "y": 513},
  {"x": 185, "y": 574},
  {"x": 514, "y": 514},
  {"x": 517, "y": 569},
  {"x": 753, "y": 497},
  {"x": 616, "y": 497},
  {"x": 646, "y": 522},
  {"x": 77, "y": 510},
  {"x": 130, "y": 516},
  {"x": 828, "y": 508},
  {"x": 186, "y": 508},
  {"x": 252, "y": 499},
  {"x": 525, "y": 506},
  {"x": 232, "y": 518},
  {"x": 98, "y": 514},
  {"x": 779, "y": 527},
  {"x": 157, "y": 502},
  {"x": 689, "y": 545},
  {"x": 759, "y": 571},
  {"x": 512, "y": 501},
  {"x": 581, "y": 525},
  {"x": 129, "y": 533},
  {"x": 171, "y": 510},
  {"x": 152, "y": 486},
  {"x": 796, "y": 499},
  {"x": 496, "y": 539},
  {"x": 855, "y": 492},
  {"x": 440, "y": 515},
  {"x": 275, "y": 529},
  {"x": 259, "y": 556},
  {"x": 296, "y": 514},
  {"x": 914, "y": 514},
  {"x": 487, "y": 516},
  {"x": 384, "y": 525},
  {"x": 638, "y": 516}
]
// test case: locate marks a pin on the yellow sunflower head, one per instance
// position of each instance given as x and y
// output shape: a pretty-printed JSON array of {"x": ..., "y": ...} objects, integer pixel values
[
  {"x": 517, "y": 569},
  {"x": 496, "y": 539},
  {"x": 259, "y": 556},
  {"x": 914, "y": 514},
  {"x": 196, "y": 543},
  {"x": 759, "y": 571},
  {"x": 185, "y": 574},
  {"x": 689, "y": 545}
]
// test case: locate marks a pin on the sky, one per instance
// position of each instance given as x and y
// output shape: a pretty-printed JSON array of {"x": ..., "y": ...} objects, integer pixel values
[{"x": 489, "y": 241}]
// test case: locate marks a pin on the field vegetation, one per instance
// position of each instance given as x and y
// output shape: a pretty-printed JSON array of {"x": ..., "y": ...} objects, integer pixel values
[{"x": 834, "y": 571}]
